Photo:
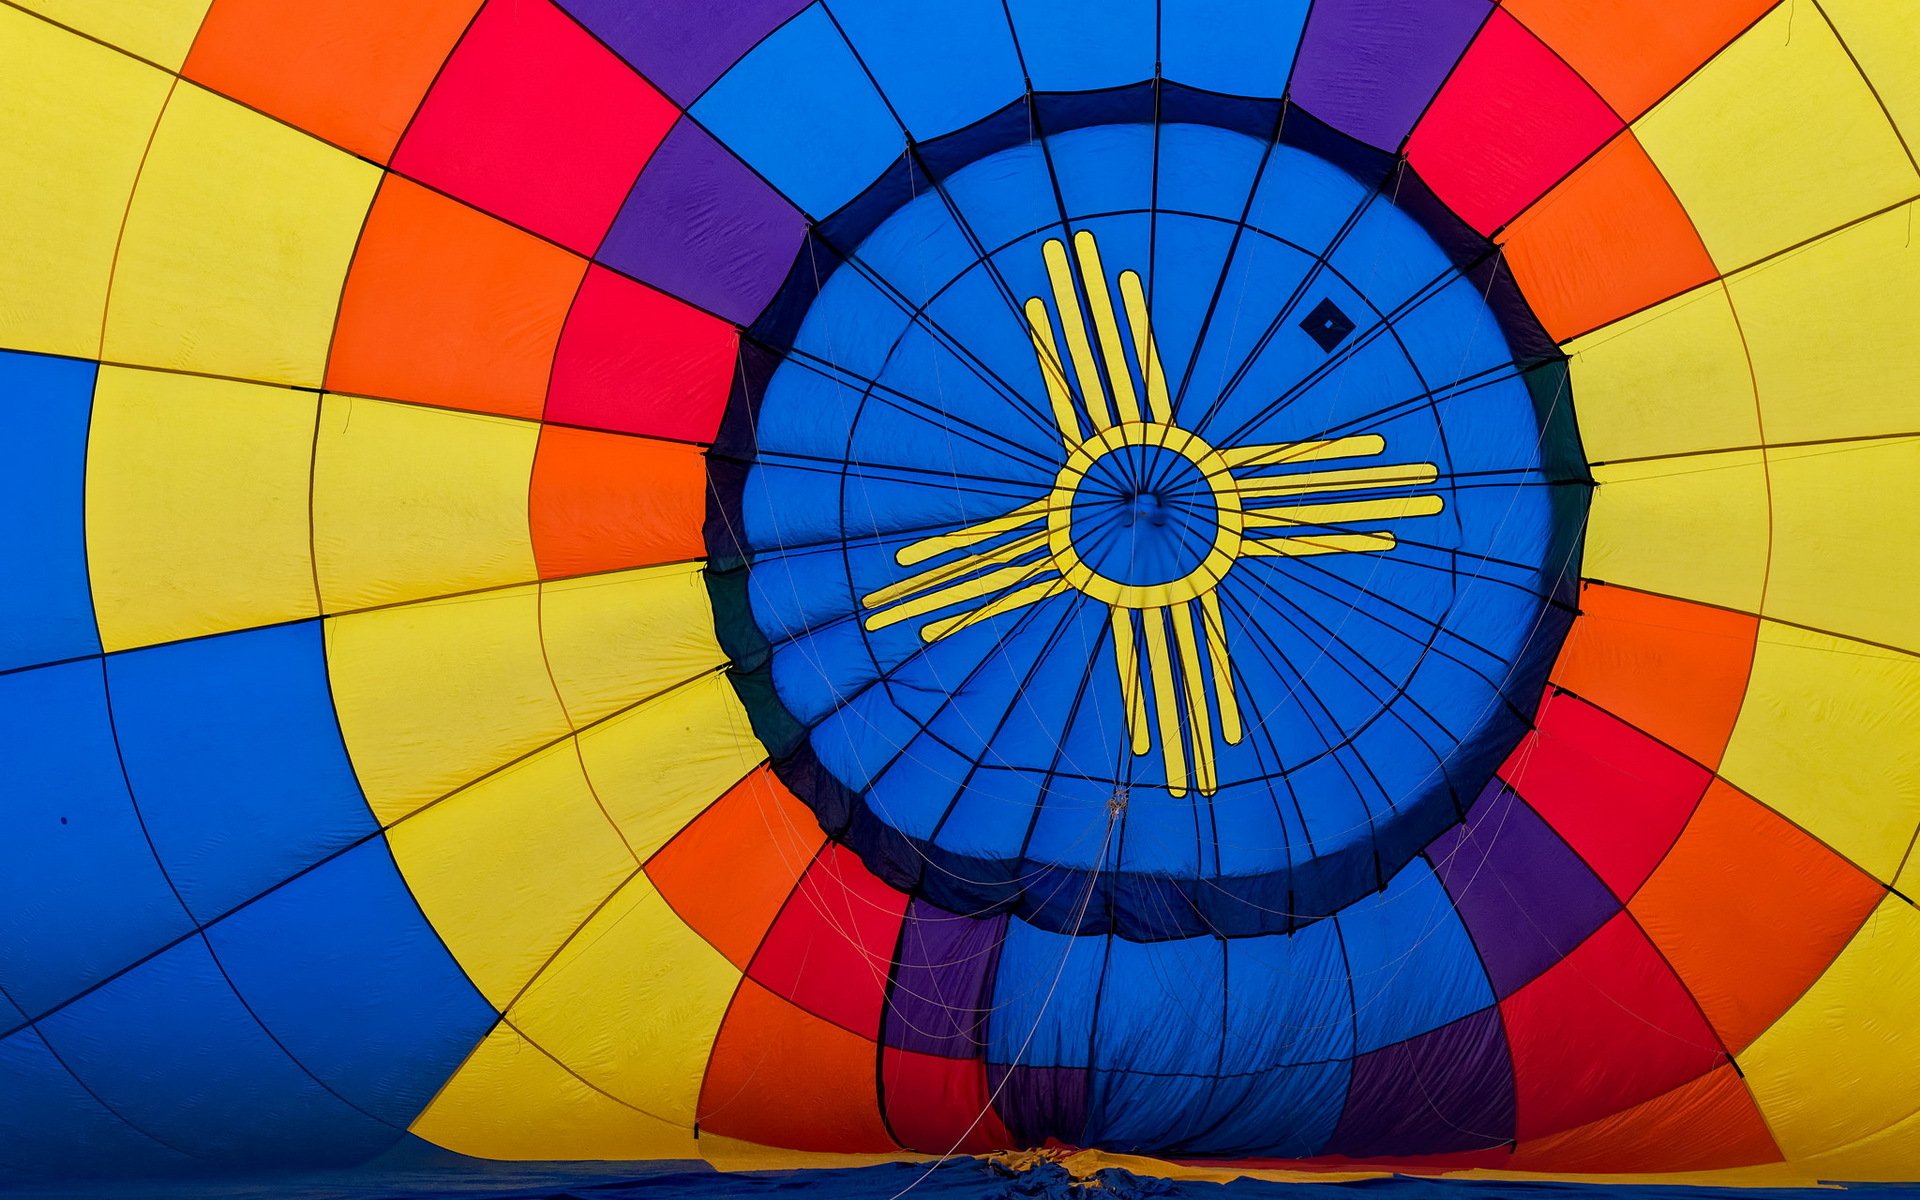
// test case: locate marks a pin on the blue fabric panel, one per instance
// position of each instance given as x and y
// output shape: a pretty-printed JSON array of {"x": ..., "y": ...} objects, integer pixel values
[
  {"x": 1412, "y": 964},
  {"x": 46, "y": 606},
  {"x": 170, "y": 1047},
  {"x": 803, "y": 114},
  {"x": 1047, "y": 985},
  {"x": 1081, "y": 45},
  {"x": 1244, "y": 47},
  {"x": 78, "y": 882},
  {"x": 1146, "y": 983},
  {"x": 394, "y": 1016},
  {"x": 47, "y": 1117},
  {"x": 941, "y": 63},
  {"x": 236, "y": 760},
  {"x": 1287, "y": 1001}
]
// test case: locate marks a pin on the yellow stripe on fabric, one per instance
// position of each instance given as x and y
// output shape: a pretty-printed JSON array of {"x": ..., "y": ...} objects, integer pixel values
[
  {"x": 1829, "y": 737},
  {"x": 1308, "y": 545},
  {"x": 413, "y": 502},
  {"x": 1342, "y": 512},
  {"x": 1846, "y": 539},
  {"x": 1693, "y": 527},
  {"x": 943, "y": 575},
  {"x": 1841, "y": 1065},
  {"x": 633, "y": 1003},
  {"x": 1146, "y": 347},
  {"x": 1830, "y": 327},
  {"x": 1166, "y": 703},
  {"x": 1053, "y": 373},
  {"x": 196, "y": 506},
  {"x": 69, "y": 153},
  {"x": 507, "y": 869},
  {"x": 1019, "y": 598},
  {"x": 1217, "y": 658},
  {"x": 1776, "y": 140},
  {"x": 159, "y": 30},
  {"x": 236, "y": 245},
  {"x": 613, "y": 640},
  {"x": 1074, "y": 327},
  {"x": 510, "y": 1100},
  {"x": 961, "y": 539},
  {"x": 659, "y": 764},
  {"x": 432, "y": 696},
  {"x": 1093, "y": 275},
  {"x": 1193, "y": 685},
  {"x": 966, "y": 589},
  {"x": 1126, "y": 662},
  {"x": 1624, "y": 376}
]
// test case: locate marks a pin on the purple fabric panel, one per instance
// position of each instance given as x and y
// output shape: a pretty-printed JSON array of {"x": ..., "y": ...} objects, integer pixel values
[
  {"x": 1038, "y": 1103},
  {"x": 1369, "y": 67},
  {"x": 682, "y": 46},
  {"x": 1447, "y": 1090},
  {"x": 942, "y": 982},
  {"x": 701, "y": 226},
  {"x": 1527, "y": 898}
]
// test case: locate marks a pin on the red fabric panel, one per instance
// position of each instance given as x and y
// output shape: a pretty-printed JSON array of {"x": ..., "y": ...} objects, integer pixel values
[
  {"x": 638, "y": 361},
  {"x": 1707, "y": 1125},
  {"x": 783, "y": 1077},
  {"x": 1605, "y": 1028},
  {"x": 832, "y": 946},
  {"x": 535, "y": 121},
  {"x": 728, "y": 873},
  {"x": 445, "y": 305},
  {"x": 1610, "y": 240},
  {"x": 1616, "y": 796},
  {"x": 349, "y": 71},
  {"x": 1673, "y": 668},
  {"x": 1750, "y": 910},
  {"x": 1510, "y": 122},
  {"x": 608, "y": 501},
  {"x": 932, "y": 1103}
]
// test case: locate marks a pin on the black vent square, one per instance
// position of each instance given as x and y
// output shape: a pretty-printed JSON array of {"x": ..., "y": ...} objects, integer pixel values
[{"x": 1327, "y": 325}]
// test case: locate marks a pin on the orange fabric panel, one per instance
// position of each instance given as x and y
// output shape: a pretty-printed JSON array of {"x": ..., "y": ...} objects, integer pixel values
[
  {"x": 1708, "y": 1124},
  {"x": 607, "y": 501},
  {"x": 781, "y": 1076},
  {"x": 1635, "y": 51},
  {"x": 446, "y": 306},
  {"x": 1611, "y": 239},
  {"x": 349, "y": 71},
  {"x": 730, "y": 870},
  {"x": 1750, "y": 910},
  {"x": 1675, "y": 669}
]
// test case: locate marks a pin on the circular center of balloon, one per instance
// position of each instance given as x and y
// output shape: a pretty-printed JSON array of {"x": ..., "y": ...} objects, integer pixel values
[
  {"x": 1143, "y": 514},
  {"x": 1144, "y": 547}
]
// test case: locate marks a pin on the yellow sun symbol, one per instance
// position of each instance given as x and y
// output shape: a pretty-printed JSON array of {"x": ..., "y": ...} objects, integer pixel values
[{"x": 1034, "y": 553}]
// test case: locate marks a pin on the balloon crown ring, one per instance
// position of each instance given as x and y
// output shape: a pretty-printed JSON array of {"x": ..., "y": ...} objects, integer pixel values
[{"x": 1147, "y": 518}]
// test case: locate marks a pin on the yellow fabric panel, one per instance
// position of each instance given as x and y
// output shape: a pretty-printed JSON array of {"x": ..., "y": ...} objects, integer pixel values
[
  {"x": 196, "y": 506},
  {"x": 1829, "y": 324},
  {"x": 159, "y": 30},
  {"x": 1842, "y": 1064},
  {"x": 1624, "y": 378},
  {"x": 236, "y": 245},
  {"x": 509, "y": 1100},
  {"x": 1892, "y": 1155},
  {"x": 659, "y": 764},
  {"x": 411, "y": 502},
  {"x": 1885, "y": 38},
  {"x": 1775, "y": 141},
  {"x": 1846, "y": 521},
  {"x": 1693, "y": 527},
  {"x": 732, "y": 1154},
  {"x": 616, "y": 639},
  {"x": 432, "y": 696},
  {"x": 507, "y": 869},
  {"x": 68, "y": 158},
  {"x": 633, "y": 1004},
  {"x": 1829, "y": 737}
]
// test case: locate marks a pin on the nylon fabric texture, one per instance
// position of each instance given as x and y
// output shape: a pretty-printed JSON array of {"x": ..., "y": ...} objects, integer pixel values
[{"x": 1290, "y": 585}]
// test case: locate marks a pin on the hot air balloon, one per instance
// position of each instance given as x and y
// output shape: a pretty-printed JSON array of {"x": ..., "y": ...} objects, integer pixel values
[{"x": 1312, "y": 583}]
